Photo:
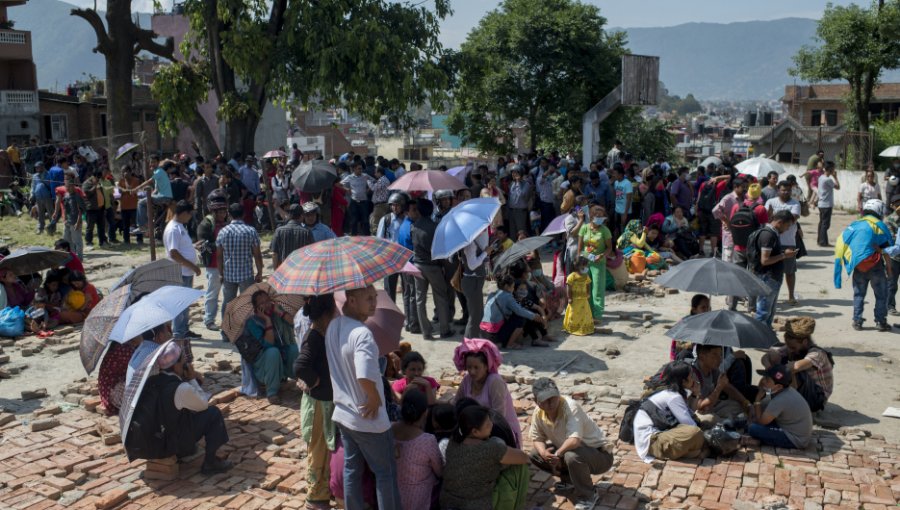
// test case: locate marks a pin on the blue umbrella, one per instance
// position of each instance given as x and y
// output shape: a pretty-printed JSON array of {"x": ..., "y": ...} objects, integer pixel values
[
  {"x": 462, "y": 225},
  {"x": 158, "y": 307}
]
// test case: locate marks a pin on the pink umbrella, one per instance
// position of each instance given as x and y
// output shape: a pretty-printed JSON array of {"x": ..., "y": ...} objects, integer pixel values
[
  {"x": 387, "y": 323},
  {"x": 410, "y": 268},
  {"x": 275, "y": 154},
  {"x": 426, "y": 180},
  {"x": 557, "y": 226}
]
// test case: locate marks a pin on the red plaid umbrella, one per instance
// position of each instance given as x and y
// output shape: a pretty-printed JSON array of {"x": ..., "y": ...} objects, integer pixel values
[
  {"x": 426, "y": 180},
  {"x": 344, "y": 263}
]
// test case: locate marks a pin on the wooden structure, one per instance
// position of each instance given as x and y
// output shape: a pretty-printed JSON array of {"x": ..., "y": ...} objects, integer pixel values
[{"x": 639, "y": 87}]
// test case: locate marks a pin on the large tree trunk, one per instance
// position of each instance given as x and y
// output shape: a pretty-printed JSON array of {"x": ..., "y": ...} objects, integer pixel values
[
  {"x": 240, "y": 135},
  {"x": 209, "y": 148}
]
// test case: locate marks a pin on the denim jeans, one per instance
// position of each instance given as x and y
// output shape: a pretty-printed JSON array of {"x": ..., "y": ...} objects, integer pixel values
[
  {"x": 765, "y": 305},
  {"x": 230, "y": 291},
  {"x": 878, "y": 280},
  {"x": 211, "y": 298},
  {"x": 180, "y": 324},
  {"x": 73, "y": 235},
  {"x": 45, "y": 210},
  {"x": 376, "y": 450},
  {"x": 770, "y": 435}
]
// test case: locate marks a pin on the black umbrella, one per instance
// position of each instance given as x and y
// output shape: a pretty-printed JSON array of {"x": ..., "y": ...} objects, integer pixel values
[
  {"x": 33, "y": 259},
  {"x": 314, "y": 176},
  {"x": 520, "y": 250},
  {"x": 725, "y": 328},
  {"x": 713, "y": 276}
]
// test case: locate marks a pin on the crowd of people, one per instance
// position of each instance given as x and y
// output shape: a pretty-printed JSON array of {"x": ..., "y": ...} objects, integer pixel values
[{"x": 377, "y": 433}]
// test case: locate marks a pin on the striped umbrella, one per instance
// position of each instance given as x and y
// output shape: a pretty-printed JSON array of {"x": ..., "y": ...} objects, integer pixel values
[
  {"x": 99, "y": 324},
  {"x": 344, "y": 263},
  {"x": 240, "y": 308},
  {"x": 149, "y": 277}
]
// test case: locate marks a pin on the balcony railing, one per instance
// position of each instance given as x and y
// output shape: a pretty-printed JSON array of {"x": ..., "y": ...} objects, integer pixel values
[
  {"x": 18, "y": 102},
  {"x": 12, "y": 37}
]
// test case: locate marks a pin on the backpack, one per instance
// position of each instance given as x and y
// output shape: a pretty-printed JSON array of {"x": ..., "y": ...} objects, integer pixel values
[
  {"x": 708, "y": 199},
  {"x": 743, "y": 223},
  {"x": 827, "y": 353},
  {"x": 662, "y": 419},
  {"x": 753, "y": 251},
  {"x": 147, "y": 437},
  {"x": 248, "y": 347}
]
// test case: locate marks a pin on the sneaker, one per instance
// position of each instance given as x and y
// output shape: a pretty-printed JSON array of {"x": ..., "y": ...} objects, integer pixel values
[
  {"x": 563, "y": 486},
  {"x": 191, "y": 334},
  {"x": 587, "y": 504},
  {"x": 883, "y": 326},
  {"x": 215, "y": 467},
  {"x": 212, "y": 327},
  {"x": 857, "y": 325},
  {"x": 893, "y": 311}
]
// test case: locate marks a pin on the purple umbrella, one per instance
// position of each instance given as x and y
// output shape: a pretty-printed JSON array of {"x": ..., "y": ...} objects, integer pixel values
[
  {"x": 557, "y": 226},
  {"x": 460, "y": 172}
]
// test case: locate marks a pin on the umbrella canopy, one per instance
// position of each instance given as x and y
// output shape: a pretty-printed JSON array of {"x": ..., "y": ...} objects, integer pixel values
[
  {"x": 711, "y": 160},
  {"x": 891, "y": 152},
  {"x": 99, "y": 324},
  {"x": 459, "y": 227},
  {"x": 411, "y": 268},
  {"x": 713, "y": 276},
  {"x": 387, "y": 323},
  {"x": 136, "y": 387},
  {"x": 519, "y": 250},
  {"x": 759, "y": 167},
  {"x": 337, "y": 264},
  {"x": 314, "y": 176},
  {"x": 158, "y": 307},
  {"x": 150, "y": 277},
  {"x": 240, "y": 308},
  {"x": 460, "y": 172},
  {"x": 426, "y": 180},
  {"x": 33, "y": 259},
  {"x": 125, "y": 149},
  {"x": 557, "y": 226},
  {"x": 725, "y": 328},
  {"x": 274, "y": 154}
]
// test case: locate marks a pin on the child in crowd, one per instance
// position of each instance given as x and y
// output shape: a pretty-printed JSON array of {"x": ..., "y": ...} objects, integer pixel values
[
  {"x": 39, "y": 319},
  {"x": 578, "y": 313},
  {"x": 419, "y": 461},
  {"x": 532, "y": 328},
  {"x": 413, "y": 366},
  {"x": 504, "y": 317}
]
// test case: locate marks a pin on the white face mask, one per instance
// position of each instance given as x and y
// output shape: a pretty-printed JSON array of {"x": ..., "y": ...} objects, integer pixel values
[
  {"x": 599, "y": 221},
  {"x": 583, "y": 270},
  {"x": 769, "y": 392}
]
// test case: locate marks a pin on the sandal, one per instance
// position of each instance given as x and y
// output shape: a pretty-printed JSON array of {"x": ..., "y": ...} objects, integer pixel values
[
  {"x": 539, "y": 343},
  {"x": 793, "y": 302}
]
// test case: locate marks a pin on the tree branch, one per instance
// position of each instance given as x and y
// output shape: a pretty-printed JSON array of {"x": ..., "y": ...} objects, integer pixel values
[
  {"x": 144, "y": 41},
  {"x": 93, "y": 19},
  {"x": 257, "y": 90}
]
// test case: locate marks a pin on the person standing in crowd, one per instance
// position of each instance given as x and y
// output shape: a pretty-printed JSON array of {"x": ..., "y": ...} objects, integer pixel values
[
  {"x": 546, "y": 173},
  {"x": 57, "y": 173},
  {"x": 203, "y": 186},
  {"x": 615, "y": 155},
  {"x": 422, "y": 233},
  {"x": 567, "y": 442},
  {"x": 859, "y": 249},
  {"x": 319, "y": 230},
  {"x": 72, "y": 206},
  {"x": 358, "y": 184},
  {"x": 868, "y": 189},
  {"x": 768, "y": 261},
  {"x": 289, "y": 237},
  {"x": 828, "y": 183},
  {"x": 180, "y": 249},
  {"x": 207, "y": 232},
  {"x": 380, "y": 205},
  {"x": 723, "y": 211},
  {"x": 359, "y": 407},
  {"x": 389, "y": 228},
  {"x": 249, "y": 177},
  {"x": 815, "y": 168},
  {"x": 108, "y": 186},
  {"x": 784, "y": 202},
  {"x": 162, "y": 193},
  {"x": 573, "y": 223},
  {"x": 624, "y": 191},
  {"x": 595, "y": 244},
  {"x": 42, "y": 194},
  {"x": 517, "y": 202},
  {"x": 598, "y": 189},
  {"x": 128, "y": 201},
  {"x": 571, "y": 194},
  {"x": 892, "y": 221},
  {"x": 770, "y": 190},
  {"x": 237, "y": 248},
  {"x": 786, "y": 420},
  {"x": 681, "y": 192},
  {"x": 474, "y": 271}
]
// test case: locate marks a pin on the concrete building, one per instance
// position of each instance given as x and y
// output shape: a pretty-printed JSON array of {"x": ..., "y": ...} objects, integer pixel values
[
  {"x": 824, "y": 104},
  {"x": 18, "y": 82}
]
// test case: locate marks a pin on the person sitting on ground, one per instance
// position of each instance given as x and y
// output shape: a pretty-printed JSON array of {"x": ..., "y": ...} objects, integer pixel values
[
  {"x": 413, "y": 366},
  {"x": 150, "y": 341},
  {"x": 38, "y": 317},
  {"x": 186, "y": 414},
  {"x": 567, "y": 443},
  {"x": 481, "y": 360},
  {"x": 810, "y": 365},
  {"x": 273, "y": 328},
  {"x": 677, "y": 229},
  {"x": 710, "y": 406},
  {"x": 633, "y": 241},
  {"x": 79, "y": 301},
  {"x": 14, "y": 292},
  {"x": 419, "y": 461},
  {"x": 504, "y": 318},
  {"x": 681, "y": 350},
  {"x": 785, "y": 420},
  {"x": 475, "y": 465},
  {"x": 532, "y": 328},
  {"x": 441, "y": 423},
  {"x": 661, "y": 245},
  {"x": 678, "y": 435},
  {"x": 111, "y": 377}
]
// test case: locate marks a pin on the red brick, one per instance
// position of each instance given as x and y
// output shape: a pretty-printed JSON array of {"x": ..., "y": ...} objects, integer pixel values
[
  {"x": 711, "y": 493},
  {"x": 111, "y": 499},
  {"x": 728, "y": 496}
]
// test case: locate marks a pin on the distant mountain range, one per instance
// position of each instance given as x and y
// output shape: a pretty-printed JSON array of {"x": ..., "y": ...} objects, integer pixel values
[{"x": 747, "y": 60}]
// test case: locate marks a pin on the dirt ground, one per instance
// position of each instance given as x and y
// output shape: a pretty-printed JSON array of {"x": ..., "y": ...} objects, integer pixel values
[{"x": 867, "y": 368}]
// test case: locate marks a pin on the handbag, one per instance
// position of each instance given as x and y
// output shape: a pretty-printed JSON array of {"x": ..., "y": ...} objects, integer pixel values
[
  {"x": 801, "y": 246},
  {"x": 456, "y": 279}
]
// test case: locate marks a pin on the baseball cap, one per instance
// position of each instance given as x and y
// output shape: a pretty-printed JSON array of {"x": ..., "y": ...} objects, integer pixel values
[
  {"x": 310, "y": 207},
  {"x": 778, "y": 373},
  {"x": 544, "y": 388}
]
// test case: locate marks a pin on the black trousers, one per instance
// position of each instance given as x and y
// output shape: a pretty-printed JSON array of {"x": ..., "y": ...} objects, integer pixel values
[
  {"x": 95, "y": 217},
  {"x": 210, "y": 425},
  {"x": 128, "y": 216},
  {"x": 111, "y": 225},
  {"x": 824, "y": 225}
]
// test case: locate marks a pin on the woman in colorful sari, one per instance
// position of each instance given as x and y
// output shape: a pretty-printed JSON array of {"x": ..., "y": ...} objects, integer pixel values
[
  {"x": 639, "y": 256},
  {"x": 595, "y": 245}
]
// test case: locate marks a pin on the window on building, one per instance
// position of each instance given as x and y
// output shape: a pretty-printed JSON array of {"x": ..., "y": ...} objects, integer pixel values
[
  {"x": 150, "y": 117},
  {"x": 823, "y": 118},
  {"x": 102, "y": 124},
  {"x": 56, "y": 127}
]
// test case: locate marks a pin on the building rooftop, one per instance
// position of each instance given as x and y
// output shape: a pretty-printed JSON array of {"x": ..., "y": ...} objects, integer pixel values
[{"x": 837, "y": 92}]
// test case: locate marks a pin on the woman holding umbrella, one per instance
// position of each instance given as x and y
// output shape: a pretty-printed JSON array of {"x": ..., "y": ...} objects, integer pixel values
[
  {"x": 273, "y": 328},
  {"x": 595, "y": 244}
]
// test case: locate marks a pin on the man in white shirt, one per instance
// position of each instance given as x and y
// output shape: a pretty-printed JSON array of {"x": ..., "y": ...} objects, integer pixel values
[
  {"x": 788, "y": 239},
  {"x": 567, "y": 442},
  {"x": 828, "y": 183},
  {"x": 180, "y": 249},
  {"x": 359, "y": 409}
]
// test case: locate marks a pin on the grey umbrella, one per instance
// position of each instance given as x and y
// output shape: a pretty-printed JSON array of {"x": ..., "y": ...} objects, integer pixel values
[
  {"x": 520, "y": 250},
  {"x": 33, "y": 259},
  {"x": 149, "y": 277},
  {"x": 725, "y": 328},
  {"x": 713, "y": 276},
  {"x": 314, "y": 176}
]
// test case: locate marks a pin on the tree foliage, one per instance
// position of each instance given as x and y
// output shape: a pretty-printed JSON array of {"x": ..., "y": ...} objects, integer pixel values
[
  {"x": 855, "y": 45},
  {"x": 374, "y": 57},
  {"x": 645, "y": 138},
  {"x": 543, "y": 63}
]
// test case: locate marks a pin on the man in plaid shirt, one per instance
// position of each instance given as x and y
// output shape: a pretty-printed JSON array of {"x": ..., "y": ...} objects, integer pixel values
[{"x": 237, "y": 247}]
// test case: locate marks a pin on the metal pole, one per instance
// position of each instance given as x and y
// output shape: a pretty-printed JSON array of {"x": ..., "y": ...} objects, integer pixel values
[{"x": 151, "y": 226}]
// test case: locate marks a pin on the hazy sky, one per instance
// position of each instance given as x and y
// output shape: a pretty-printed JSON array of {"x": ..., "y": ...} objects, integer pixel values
[{"x": 619, "y": 13}]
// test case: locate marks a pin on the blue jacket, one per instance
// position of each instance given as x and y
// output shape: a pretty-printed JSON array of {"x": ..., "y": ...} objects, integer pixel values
[
  {"x": 39, "y": 187},
  {"x": 500, "y": 305},
  {"x": 857, "y": 242}
]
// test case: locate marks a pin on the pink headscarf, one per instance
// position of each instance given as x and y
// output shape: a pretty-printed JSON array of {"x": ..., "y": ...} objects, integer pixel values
[{"x": 490, "y": 351}]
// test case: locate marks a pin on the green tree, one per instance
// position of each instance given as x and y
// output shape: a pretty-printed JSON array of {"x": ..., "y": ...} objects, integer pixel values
[
  {"x": 688, "y": 105},
  {"x": 641, "y": 137},
  {"x": 374, "y": 57},
  {"x": 855, "y": 44},
  {"x": 544, "y": 62}
]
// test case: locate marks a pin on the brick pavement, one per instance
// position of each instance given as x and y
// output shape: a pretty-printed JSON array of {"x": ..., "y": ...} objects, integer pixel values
[{"x": 78, "y": 463}]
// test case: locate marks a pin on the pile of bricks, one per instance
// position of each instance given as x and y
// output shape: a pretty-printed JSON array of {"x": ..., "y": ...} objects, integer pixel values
[{"x": 57, "y": 459}]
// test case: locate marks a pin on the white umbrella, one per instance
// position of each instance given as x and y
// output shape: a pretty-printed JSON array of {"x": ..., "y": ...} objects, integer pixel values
[
  {"x": 759, "y": 167},
  {"x": 710, "y": 160},
  {"x": 462, "y": 225},
  {"x": 158, "y": 307},
  {"x": 891, "y": 152}
]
